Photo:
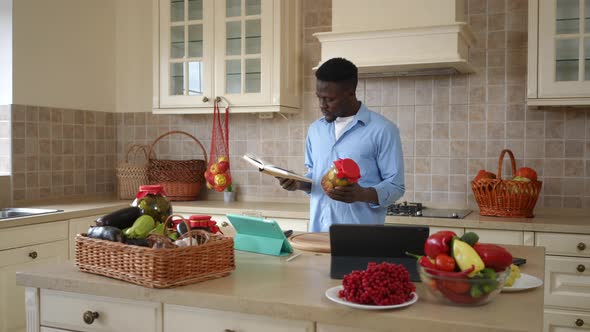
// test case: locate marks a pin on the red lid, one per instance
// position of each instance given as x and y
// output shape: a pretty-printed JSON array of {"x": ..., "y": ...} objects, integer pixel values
[
  {"x": 348, "y": 168},
  {"x": 199, "y": 217},
  {"x": 153, "y": 189}
]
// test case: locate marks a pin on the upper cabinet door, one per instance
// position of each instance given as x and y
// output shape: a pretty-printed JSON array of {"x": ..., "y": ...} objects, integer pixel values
[
  {"x": 244, "y": 50},
  {"x": 563, "y": 51},
  {"x": 186, "y": 52}
]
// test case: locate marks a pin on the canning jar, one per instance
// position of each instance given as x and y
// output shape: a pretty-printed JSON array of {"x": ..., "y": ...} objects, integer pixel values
[
  {"x": 343, "y": 172},
  {"x": 152, "y": 200}
]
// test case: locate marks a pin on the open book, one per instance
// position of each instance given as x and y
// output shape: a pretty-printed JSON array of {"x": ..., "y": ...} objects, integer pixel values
[{"x": 273, "y": 170}]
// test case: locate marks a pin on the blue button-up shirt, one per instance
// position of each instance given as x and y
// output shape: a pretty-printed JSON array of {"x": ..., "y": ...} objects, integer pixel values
[{"x": 374, "y": 143}]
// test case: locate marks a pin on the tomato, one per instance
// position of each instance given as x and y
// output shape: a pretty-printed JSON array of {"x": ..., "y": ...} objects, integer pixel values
[
  {"x": 455, "y": 286},
  {"x": 444, "y": 262}
]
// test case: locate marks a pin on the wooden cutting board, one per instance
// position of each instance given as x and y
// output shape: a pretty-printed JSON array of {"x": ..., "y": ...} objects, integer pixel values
[{"x": 315, "y": 242}]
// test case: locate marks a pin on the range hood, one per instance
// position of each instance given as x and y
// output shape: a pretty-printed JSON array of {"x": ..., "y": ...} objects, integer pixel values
[{"x": 399, "y": 37}]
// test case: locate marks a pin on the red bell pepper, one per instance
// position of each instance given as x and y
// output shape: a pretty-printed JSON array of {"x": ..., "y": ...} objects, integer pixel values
[
  {"x": 424, "y": 261},
  {"x": 493, "y": 256},
  {"x": 438, "y": 243}
]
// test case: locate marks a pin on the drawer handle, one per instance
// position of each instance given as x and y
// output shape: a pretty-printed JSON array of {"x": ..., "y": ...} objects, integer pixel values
[
  {"x": 230, "y": 330},
  {"x": 33, "y": 254},
  {"x": 224, "y": 224},
  {"x": 579, "y": 322},
  {"x": 205, "y": 99},
  {"x": 581, "y": 246},
  {"x": 90, "y": 316},
  {"x": 581, "y": 268}
]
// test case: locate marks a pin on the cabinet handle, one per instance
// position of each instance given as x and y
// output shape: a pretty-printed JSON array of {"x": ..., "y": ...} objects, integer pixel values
[
  {"x": 581, "y": 268},
  {"x": 90, "y": 316},
  {"x": 33, "y": 254},
  {"x": 205, "y": 99},
  {"x": 224, "y": 224},
  {"x": 579, "y": 322},
  {"x": 581, "y": 246}
]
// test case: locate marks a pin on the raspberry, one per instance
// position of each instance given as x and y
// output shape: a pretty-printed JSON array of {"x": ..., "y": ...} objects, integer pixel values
[{"x": 379, "y": 284}]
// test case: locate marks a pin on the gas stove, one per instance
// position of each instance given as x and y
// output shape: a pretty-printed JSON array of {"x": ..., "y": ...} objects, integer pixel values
[{"x": 413, "y": 209}]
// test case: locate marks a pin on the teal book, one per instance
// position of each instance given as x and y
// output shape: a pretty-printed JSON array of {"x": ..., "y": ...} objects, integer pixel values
[{"x": 259, "y": 235}]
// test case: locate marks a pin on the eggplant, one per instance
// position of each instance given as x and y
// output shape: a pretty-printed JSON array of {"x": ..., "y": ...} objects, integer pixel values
[
  {"x": 121, "y": 219},
  {"x": 108, "y": 233}
]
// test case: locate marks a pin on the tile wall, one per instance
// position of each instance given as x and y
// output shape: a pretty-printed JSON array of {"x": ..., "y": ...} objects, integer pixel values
[
  {"x": 5, "y": 138},
  {"x": 451, "y": 127}
]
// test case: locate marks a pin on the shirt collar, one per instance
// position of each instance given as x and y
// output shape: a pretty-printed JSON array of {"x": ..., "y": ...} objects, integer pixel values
[{"x": 361, "y": 116}]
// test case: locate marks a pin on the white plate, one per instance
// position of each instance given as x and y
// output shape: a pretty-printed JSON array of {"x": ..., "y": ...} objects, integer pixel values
[
  {"x": 526, "y": 281},
  {"x": 332, "y": 294}
]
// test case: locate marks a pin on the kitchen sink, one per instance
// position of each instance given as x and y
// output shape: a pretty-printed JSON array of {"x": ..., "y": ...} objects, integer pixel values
[{"x": 9, "y": 213}]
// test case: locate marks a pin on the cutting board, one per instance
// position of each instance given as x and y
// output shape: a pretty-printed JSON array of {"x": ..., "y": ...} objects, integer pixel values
[{"x": 315, "y": 242}]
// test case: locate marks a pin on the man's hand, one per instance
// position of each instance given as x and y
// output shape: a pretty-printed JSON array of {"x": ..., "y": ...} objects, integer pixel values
[
  {"x": 292, "y": 185},
  {"x": 354, "y": 193}
]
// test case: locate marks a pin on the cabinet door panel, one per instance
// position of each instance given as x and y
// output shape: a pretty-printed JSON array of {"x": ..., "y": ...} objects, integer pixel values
[
  {"x": 567, "y": 282},
  {"x": 12, "y": 298},
  {"x": 22, "y": 236},
  {"x": 177, "y": 318},
  {"x": 499, "y": 236},
  {"x": 565, "y": 321}
]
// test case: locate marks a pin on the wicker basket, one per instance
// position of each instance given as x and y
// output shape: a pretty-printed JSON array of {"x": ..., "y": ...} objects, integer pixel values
[
  {"x": 131, "y": 175},
  {"x": 156, "y": 268},
  {"x": 506, "y": 198},
  {"x": 182, "y": 179}
]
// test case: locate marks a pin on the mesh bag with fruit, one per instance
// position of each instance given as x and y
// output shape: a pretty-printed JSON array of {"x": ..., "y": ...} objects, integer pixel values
[
  {"x": 218, "y": 175},
  {"x": 343, "y": 172}
]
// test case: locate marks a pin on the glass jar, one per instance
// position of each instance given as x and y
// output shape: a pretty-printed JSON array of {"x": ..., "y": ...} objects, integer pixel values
[
  {"x": 152, "y": 200},
  {"x": 343, "y": 172}
]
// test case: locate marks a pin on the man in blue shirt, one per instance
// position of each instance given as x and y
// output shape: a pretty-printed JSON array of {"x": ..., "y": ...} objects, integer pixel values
[{"x": 349, "y": 130}]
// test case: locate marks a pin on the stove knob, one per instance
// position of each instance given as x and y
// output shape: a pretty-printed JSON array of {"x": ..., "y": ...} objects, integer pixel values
[{"x": 455, "y": 215}]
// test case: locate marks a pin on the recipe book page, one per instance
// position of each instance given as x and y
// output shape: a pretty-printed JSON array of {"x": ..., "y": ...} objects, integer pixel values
[{"x": 273, "y": 170}]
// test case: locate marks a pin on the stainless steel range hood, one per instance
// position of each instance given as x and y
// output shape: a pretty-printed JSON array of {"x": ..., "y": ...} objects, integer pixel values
[{"x": 400, "y": 37}]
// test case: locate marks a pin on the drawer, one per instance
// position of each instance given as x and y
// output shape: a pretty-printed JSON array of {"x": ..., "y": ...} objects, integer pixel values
[
  {"x": 565, "y": 321},
  {"x": 178, "y": 318},
  {"x": 321, "y": 327},
  {"x": 66, "y": 311},
  {"x": 564, "y": 244},
  {"x": 22, "y": 236},
  {"x": 567, "y": 282},
  {"x": 498, "y": 236}
]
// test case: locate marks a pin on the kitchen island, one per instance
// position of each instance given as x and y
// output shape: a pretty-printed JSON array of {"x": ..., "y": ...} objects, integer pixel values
[{"x": 264, "y": 293}]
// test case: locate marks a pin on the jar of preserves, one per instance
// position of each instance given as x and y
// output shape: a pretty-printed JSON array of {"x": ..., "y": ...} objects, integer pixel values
[
  {"x": 152, "y": 200},
  {"x": 343, "y": 172}
]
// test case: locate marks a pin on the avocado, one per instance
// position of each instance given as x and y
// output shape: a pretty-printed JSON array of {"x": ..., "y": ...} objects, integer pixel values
[{"x": 121, "y": 219}]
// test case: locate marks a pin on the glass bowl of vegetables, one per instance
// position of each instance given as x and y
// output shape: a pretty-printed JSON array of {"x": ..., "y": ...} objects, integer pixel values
[{"x": 464, "y": 288}]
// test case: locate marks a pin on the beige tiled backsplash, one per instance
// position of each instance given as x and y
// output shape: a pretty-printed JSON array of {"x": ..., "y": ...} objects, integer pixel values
[{"x": 451, "y": 126}]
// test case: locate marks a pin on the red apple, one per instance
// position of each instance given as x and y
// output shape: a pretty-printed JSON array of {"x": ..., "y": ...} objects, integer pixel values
[
  {"x": 527, "y": 172},
  {"x": 483, "y": 174}
]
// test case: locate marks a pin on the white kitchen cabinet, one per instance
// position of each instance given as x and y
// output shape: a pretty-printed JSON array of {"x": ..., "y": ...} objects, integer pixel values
[
  {"x": 559, "y": 52},
  {"x": 321, "y": 327},
  {"x": 178, "y": 318},
  {"x": 81, "y": 312},
  {"x": 243, "y": 51},
  {"x": 22, "y": 247},
  {"x": 78, "y": 226},
  {"x": 567, "y": 281},
  {"x": 571, "y": 321},
  {"x": 498, "y": 236}
]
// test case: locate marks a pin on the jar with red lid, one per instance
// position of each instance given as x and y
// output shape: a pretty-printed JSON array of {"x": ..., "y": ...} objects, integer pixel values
[
  {"x": 152, "y": 200},
  {"x": 343, "y": 172},
  {"x": 203, "y": 222}
]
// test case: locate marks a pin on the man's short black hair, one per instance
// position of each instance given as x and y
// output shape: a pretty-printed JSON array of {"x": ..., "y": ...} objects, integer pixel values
[{"x": 338, "y": 70}]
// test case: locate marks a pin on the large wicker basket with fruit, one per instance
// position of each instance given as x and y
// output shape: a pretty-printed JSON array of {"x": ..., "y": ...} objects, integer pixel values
[{"x": 507, "y": 198}]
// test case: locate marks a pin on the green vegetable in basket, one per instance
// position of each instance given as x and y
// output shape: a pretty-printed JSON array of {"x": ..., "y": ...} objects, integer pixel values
[{"x": 141, "y": 227}]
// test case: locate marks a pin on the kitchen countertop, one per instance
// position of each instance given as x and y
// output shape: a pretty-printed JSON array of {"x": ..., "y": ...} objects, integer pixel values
[
  {"x": 545, "y": 220},
  {"x": 270, "y": 286}
]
